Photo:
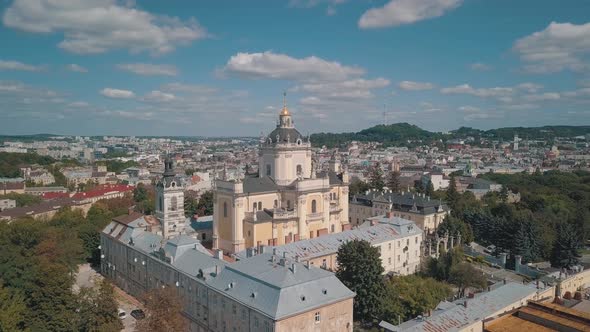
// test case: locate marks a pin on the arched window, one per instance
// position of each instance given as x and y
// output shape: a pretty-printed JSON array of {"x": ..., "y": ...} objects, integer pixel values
[
  {"x": 225, "y": 209},
  {"x": 288, "y": 204},
  {"x": 173, "y": 203},
  {"x": 268, "y": 169},
  {"x": 161, "y": 203},
  {"x": 299, "y": 170},
  {"x": 259, "y": 205},
  {"x": 276, "y": 204},
  {"x": 253, "y": 206},
  {"x": 313, "y": 206}
]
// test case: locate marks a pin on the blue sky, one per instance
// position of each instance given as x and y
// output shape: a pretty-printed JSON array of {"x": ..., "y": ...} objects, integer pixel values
[{"x": 219, "y": 68}]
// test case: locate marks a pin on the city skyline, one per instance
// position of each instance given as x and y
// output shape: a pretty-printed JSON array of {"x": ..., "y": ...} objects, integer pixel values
[{"x": 186, "y": 69}]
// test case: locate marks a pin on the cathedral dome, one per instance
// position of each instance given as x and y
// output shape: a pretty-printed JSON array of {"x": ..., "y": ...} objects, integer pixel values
[{"x": 285, "y": 135}]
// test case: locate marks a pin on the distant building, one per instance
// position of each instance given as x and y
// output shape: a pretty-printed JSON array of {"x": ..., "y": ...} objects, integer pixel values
[
  {"x": 541, "y": 316},
  {"x": 427, "y": 213},
  {"x": 12, "y": 185}
]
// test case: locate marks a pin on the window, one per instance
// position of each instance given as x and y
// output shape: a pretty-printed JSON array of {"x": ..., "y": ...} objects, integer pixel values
[
  {"x": 266, "y": 327},
  {"x": 173, "y": 203},
  {"x": 256, "y": 323},
  {"x": 203, "y": 236},
  {"x": 260, "y": 206},
  {"x": 276, "y": 203},
  {"x": 324, "y": 263},
  {"x": 416, "y": 240},
  {"x": 253, "y": 206},
  {"x": 267, "y": 169},
  {"x": 389, "y": 261},
  {"x": 313, "y": 206},
  {"x": 333, "y": 228},
  {"x": 233, "y": 309},
  {"x": 389, "y": 246},
  {"x": 225, "y": 209},
  {"x": 243, "y": 314},
  {"x": 318, "y": 318},
  {"x": 288, "y": 204},
  {"x": 161, "y": 203},
  {"x": 299, "y": 170}
]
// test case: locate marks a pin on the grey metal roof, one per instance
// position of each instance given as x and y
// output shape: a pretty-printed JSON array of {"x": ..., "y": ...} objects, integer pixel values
[
  {"x": 453, "y": 316},
  {"x": 401, "y": 201},
  {"x": 285, "y": 135},
  {"x": 387, "y": 230},
  {"x": 257, "y": 184},
  {"x": 276, "y": 290}
]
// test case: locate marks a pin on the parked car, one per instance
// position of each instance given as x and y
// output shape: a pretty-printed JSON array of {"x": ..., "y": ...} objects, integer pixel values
[
  {"x": 490, "y": 249},
  {"x": 138, "y": 314},
  {"x": 122, "y": 314}
]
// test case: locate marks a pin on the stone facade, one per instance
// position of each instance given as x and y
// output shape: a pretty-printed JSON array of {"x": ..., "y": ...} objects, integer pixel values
[{"x": 288, "y": 200}]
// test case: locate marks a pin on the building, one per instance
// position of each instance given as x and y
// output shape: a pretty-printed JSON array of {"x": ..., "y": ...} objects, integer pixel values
[
  {"x": 7, "y": 204},
  {"x": 260, "y": 293},
  {"x": 170, "y": 202},
  {"x": 469, "y": 314},
  {"x": 419, "y": 208},
  {"x": 288, "y": 200},
  {"x": 12, "y": 185},
  {"x": 40, "y": 191},
  {"x": 398, "y": 240},
  {"x": 540, "y": 316},
  {"x": 38, "y": 176}
]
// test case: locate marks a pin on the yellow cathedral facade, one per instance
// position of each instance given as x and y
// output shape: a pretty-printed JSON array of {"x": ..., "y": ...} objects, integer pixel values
[{"x": 290, "y": 199}]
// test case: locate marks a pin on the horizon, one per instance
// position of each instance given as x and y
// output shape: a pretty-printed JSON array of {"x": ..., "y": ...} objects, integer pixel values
[{"x": 219, "y": 68}]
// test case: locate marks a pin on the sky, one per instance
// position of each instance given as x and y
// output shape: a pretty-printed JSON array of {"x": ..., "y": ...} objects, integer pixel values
[{"x": 220, "y": 68}]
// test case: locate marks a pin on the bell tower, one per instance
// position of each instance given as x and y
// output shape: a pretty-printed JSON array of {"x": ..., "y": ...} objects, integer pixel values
[{"x": 170, "y": 202}]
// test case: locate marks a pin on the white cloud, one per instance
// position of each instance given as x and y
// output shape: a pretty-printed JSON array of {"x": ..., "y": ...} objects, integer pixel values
[
  {"x": 356, "y": 88},
  {"x": 159, "y": 97},
  {"x": 530, "y": 87},
  {"x": 117, "y": 94},
  {"x": 415, "y": 86},
  {"x": 479, "y": 66},
  {"x": 78, "y": 104},
  {"x": 584, "y": 92},
  {"x": 148, "y": 69},
  {"x": 190, "y": 88},
  {"x": 542, "y": 97},
  {"x": 76, "y": 68},
  {"x": 97, "y": 26},
  {"x": 521, "y": 107},
  {"x": 281, "y": 66},
  {"x": 558, "y": 47},
  {"x": 469, "y": 109},
  {"x": 400, "y": 12},
  {"x": 480, "y": 92},
  {"x": 16, "y": 65}
]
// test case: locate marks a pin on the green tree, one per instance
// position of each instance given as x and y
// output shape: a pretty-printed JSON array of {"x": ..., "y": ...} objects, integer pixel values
[
  {"x": 452, "y": 193},
  {"x": 440, "y": 268},
  {"x": 393, "y": 181},
  {"x": 12, "y": 310},
  {"x": 360, "y": 269},
  {"x": 464, "y": 275},
  {"x": 409, "y": 296},
  {"x": 205, "y": 205},
  {"x": 565, "y": 252},
  {"x": 98, "y": 309},
  {"x": 22, "y": 199},
  {"x": 452, "y": 225},
  {"x": 358, "y": 186},
  {"x": 163, "y": 310},
  {"x": 429, "y": 190},
  {"x": 504, "y": 194},
  {"x": 376, "y": 177}
]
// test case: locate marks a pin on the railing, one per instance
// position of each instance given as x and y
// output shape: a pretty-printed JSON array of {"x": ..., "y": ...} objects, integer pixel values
[
  {"x": 335, "y": 208},
  {"x": 284, "y": 214}
]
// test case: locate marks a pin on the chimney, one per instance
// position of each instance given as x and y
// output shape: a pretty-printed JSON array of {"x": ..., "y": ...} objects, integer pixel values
[
  {"x": 217, "y": 270},
  {"x": 283, "y": 262},
  {"x": 307, "y": 264},
  {"x": 465, "y": 303},
  {"x": 130, "y": 209},
  {"x": 297, "y": 258},
  {"x": 293, "y": 267},
  {"x": 274, "y": 251},
  {"x": 219, "y": 254},
  {"x": 504, "y": 281},
  {"x": 284, "y": 254}
]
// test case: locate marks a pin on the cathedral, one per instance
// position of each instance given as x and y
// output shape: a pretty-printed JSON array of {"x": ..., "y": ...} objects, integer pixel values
[{"x": 290, "y": 199}]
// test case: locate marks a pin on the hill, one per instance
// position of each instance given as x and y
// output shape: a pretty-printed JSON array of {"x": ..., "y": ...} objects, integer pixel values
[{"x": 405, "y": 134}]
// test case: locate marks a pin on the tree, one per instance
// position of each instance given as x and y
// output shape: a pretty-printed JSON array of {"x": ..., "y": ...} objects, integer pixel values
[
  {"x": 360, "y": 269},
  {"x": 98, "y": 309},
  {"x": 205, "y": 205},
  {"x": 429, "y": 190},
  {"x": 565, "y": 252},
  {"x": 419, "y": 186},
  {"x": 504, "y": 194},
  {"x": 163, "y": 310},
  {"x": 12, "y": 310},
  {"x": 376, "y": 177},
  {"x": 393, "y": 181},
  {"x": 22, "y": 199},
  {"x": 464, "y": 275},
  {"x": 453, "y": 226},
  {"x": 440, "y": 268},
  {"x": 358, "y": 186},
  {"x": 452, "y": 193},
  {"x": 409, "y": 296}
]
